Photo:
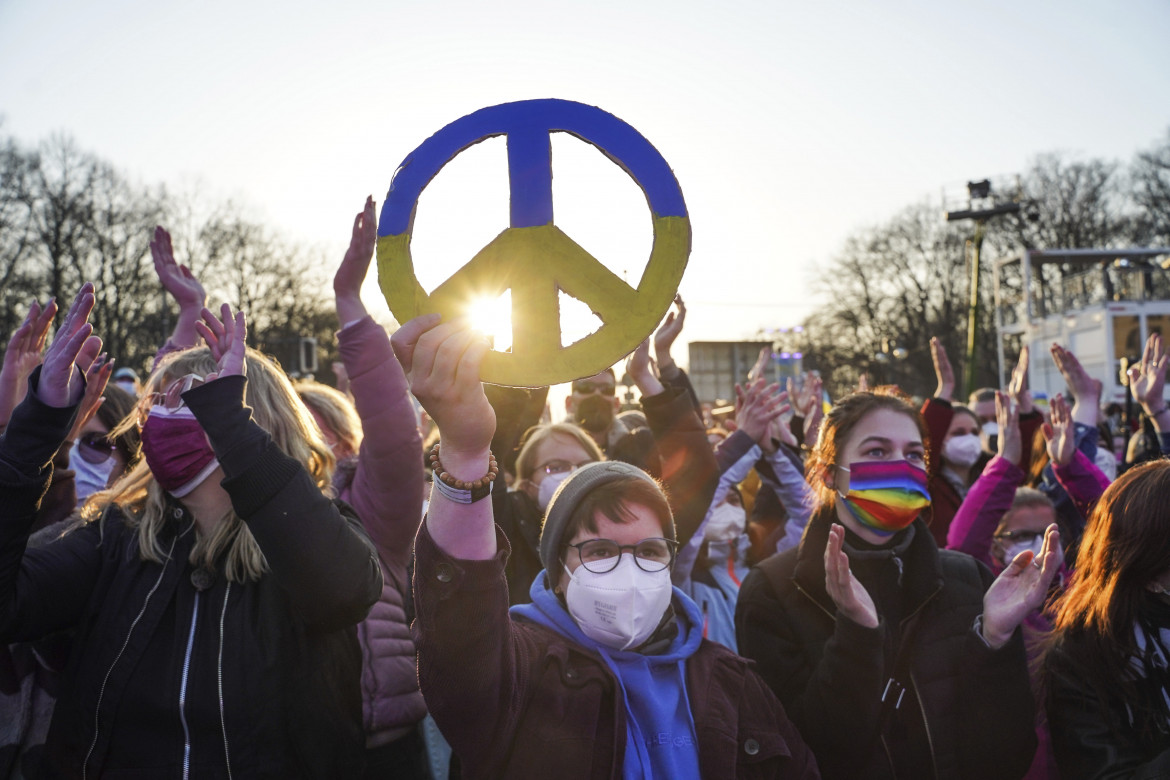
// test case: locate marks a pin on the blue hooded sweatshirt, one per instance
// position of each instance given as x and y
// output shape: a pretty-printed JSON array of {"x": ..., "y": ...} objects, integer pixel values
[{"x": 660, "y": 729}]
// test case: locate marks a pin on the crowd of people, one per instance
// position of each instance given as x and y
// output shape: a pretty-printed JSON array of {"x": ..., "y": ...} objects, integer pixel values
[{"x": 218, "y": 571}]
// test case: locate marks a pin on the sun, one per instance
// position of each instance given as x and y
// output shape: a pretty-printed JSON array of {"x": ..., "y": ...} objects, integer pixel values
[{"x": 493, "y": 318}]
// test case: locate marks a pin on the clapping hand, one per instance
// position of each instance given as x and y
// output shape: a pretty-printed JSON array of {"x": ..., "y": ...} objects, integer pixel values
[
  {"x": 175, "y": 278},
  {"x": 1020, "y": 589},
  {"x": 846, "y": 591},
  {"x": 347, "y": 282},
  {"x": 665, "y": 336},
  {"x": 97, "y": 376},
  {"x": 1060, "y": 433},
  {"x": 60, "y": 383},
  {"x": 640, "y": 367},
  {"x": 1148, "y": 378},
  {"x": 1086, "y": 390},
  {"x": 757, "y": 406},
  {"x": 23, "y": 355},
  {"x": 1010, "y": 445},
  {"x": 1018, "y": 386},
  {"x": 943, "y": 371},
  {"x": 225, "y": 336}
]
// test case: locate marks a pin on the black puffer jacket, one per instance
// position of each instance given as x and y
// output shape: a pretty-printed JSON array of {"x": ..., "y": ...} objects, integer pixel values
[
  {"x": 267, "y": 672},
  {"x": 967, "y": 710}
]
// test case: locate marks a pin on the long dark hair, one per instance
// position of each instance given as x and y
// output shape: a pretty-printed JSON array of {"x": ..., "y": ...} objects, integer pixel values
[{"x": 1126, "y": 546}]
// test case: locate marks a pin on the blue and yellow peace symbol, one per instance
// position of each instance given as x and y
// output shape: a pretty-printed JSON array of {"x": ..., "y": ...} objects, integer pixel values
[{"x": 532, "y": 257}]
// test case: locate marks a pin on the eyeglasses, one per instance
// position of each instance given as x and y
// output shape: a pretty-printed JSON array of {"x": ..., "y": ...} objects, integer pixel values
[
  {"x": 95, "y": 448},
  {"x": 171, "y": 398},
  {"x": 585, "y": 387},
  {"x": 559, "y": 467},
  {"x": 1019, "y": 536},
  {"x": 601, "y": 556}
]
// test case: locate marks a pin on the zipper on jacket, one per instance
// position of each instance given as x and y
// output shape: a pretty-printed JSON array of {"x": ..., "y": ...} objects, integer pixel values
[
  {"x": 183, "y": 690},
  {"x": 925, "y": 724},
  {"x": 808, "y": 596},
  {"x": 227, "y": 756},
  {"x": 97, "y": 710}
]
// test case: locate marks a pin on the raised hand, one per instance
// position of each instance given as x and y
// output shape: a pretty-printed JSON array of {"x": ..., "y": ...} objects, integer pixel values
[
  {"x": 442, "y": 363},
  {"x": 60, "y": 382},
  {"x": 1018, "y": 386},
  {"x": 23, "y": 355},
  {"x": 757, "y": 406},
  {"x": 1147, "y": 379},
  {"x": 1060, "y": 433},
  {"x": 1020, "y": 589},
  {"x": 640, "y": 367},
  {"x": 175, "y": 278},
  {"x": 846, "y": 591},
  {"x": 1086, "y": 391},
  {"x": 812, "y": 420},
  {"x": 761, "y": 366},
  {"x": 347, "y": 282},
  {"x": 97, "y": 376},
  {"x": 666, "y": 334},
  {"x": 1007, "y": 415},
  {"x": 226, "y": 337},
  {"x": 942, "y": 370}
]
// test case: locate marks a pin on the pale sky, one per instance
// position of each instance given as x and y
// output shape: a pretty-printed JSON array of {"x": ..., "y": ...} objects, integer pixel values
[{"x": 788, "y": 125}]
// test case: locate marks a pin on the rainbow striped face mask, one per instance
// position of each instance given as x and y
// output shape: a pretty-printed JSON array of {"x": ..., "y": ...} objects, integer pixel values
[{"x": 885, "y": 496}]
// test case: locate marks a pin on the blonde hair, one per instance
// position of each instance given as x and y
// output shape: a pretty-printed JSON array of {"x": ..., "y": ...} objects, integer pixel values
[
  {"x": 526, "y": 460},
  {"x": 276, "y": 408},
  {"x": 335, "y": 410}
]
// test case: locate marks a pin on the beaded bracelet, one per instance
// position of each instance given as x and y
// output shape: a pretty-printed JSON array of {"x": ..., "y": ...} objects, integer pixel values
[{"x": 459, "y": 490}]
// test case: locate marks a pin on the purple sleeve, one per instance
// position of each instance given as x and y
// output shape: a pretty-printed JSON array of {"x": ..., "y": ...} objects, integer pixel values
[
  {"x": 388, "y": 485},
  {"x": 1083, "y": 482},
  {"x": 988, "y": 499}
]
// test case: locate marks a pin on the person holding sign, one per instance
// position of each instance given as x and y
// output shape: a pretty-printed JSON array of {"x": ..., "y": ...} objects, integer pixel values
[{"x": 606, "y": 673}]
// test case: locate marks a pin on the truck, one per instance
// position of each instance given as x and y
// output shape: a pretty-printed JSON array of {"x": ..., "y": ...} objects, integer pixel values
[{"x": 1101, "y": 304}]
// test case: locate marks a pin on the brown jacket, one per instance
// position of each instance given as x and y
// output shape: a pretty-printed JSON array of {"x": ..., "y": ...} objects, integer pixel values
[{"x": 516, "y": 699}]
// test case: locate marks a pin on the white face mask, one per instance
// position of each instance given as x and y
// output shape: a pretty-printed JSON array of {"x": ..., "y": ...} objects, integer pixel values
[
  {"x": 990, "y": 428},
  {"x": 726, "y": 523},
  {"x": 962, "y": 450},
  {"x": 548, "y": 487},
  {"x": 1012, "y": 549},
  {"x": 621, "y": 608},
  {"x": 128, "y": 386},
  {"x": 89, "y": 478}
]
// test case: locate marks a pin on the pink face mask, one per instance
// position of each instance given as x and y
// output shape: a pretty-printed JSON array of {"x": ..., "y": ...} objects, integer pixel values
[{"x": 176, "y": 449}]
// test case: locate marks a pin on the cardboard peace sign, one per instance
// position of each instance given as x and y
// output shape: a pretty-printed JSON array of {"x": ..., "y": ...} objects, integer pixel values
[{"x": 533, "y": 258}]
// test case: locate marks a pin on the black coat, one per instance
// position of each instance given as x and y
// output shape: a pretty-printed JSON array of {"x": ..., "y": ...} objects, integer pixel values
[
  {"x": 830, "y": 673},
  {"x": 1103, "y": 735},
  {"x": 271, "y": 667}
]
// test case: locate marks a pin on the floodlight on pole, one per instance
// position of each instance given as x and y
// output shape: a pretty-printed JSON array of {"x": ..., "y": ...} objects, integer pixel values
[{"x": 978, "y": 190}]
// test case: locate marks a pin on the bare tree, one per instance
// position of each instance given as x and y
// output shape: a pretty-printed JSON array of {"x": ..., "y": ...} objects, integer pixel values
[{"x": 1150, "y": 174}]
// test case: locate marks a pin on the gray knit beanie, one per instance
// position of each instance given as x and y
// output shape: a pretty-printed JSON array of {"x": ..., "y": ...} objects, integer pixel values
[{"x": 569, "y": 496}]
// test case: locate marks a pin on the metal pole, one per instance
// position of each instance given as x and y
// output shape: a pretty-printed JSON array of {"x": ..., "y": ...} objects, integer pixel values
[{"x": 973, "y": 308}]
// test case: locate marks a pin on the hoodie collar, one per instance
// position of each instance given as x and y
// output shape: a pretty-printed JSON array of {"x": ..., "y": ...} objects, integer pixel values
[{"x": 547, "y": 610}]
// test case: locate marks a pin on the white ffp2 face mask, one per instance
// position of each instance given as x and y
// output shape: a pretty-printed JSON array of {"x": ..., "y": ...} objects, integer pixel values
[
  {"x": 725, "y": 523},
  {"x": 621, "y": 608},
  {"x": 962, "y": 450}
]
